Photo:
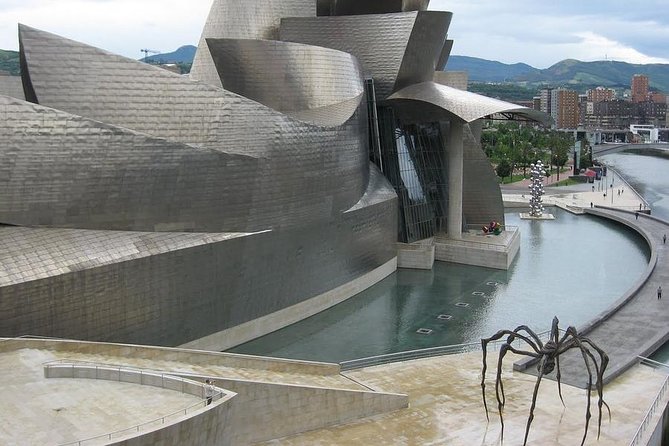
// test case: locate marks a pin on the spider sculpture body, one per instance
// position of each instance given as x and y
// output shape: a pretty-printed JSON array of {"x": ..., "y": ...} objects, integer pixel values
[{"x": 548, "y": 359}]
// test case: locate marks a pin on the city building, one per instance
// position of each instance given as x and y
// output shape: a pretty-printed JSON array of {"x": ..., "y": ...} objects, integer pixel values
[
  {"x": 639, "y": 88},
  {"x": 600, "y": 94},
  {"x": 566, "y": 108}
]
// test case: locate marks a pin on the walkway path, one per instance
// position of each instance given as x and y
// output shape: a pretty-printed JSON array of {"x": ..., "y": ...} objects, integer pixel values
[{"x": 638, "y": 324}]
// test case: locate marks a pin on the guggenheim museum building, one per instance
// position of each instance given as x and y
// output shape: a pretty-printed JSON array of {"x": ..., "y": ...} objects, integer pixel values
[{"x": 311, "y": 145}]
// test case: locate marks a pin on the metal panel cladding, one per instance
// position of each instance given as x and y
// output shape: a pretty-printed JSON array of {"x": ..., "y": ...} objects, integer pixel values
[
  {"x": 304, "y": 172},
  {"x": 243, "y": 19},
  {"x": 289, "y": 77},
  {"x": 395, "y": 49},
  {"x": 355, "y": 7}
]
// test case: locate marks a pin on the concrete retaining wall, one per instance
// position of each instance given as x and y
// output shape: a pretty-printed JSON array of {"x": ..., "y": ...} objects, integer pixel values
[
  {"x": 265, "y": 411},
  {"x": 201, "y": 425}
]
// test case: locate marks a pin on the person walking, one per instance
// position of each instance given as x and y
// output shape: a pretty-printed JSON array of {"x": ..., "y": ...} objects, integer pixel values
[
  {"x": 659, "y": 292},
  {"x": 636, "y": 214},
  {"x": 209, "y": 391},
  {"x": 664, "y": 239}
]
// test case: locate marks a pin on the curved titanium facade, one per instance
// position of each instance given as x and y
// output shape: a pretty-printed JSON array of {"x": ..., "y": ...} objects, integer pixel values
[
  {"x": 481, "y": 195},
  {"x": 462, "y": 105},
  {"x": 114, "y": 163},
  {"x": 395, "y": 49},
  {"x": 357, "y": 7},
  {"x": 243, "y": 19},
  {"x": 172, "y": 288},
  {"x": 302, "y": 77},
  {"x": 312, "y": 171}
]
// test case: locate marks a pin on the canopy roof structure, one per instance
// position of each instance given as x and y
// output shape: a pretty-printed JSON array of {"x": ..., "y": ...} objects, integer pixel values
[{"x": 466, "y": 106}]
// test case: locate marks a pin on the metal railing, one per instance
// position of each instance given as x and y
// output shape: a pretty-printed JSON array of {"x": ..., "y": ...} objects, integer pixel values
[
  {"x": 655, "y": 405},
  {"x": 426, "y": 353},
  {"x": 646, "y": 205},
  {"x": 162, "y": 378}
]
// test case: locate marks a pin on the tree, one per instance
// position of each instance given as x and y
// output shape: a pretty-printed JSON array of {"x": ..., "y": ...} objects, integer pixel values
[
  {"x": 561, "y": 144},
  {"x": 503, "y": 169}
]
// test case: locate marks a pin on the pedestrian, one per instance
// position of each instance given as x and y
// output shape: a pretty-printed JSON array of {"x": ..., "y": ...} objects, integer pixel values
[
  {"x": 209, "y": 390},
  {"x": 591, "y": 204},
  {"x": 636, "y": 214},
  {"x": 664, "y": 239},
  {"x": 618, "y": 192},
  {"x": 659, "y": 292},
  {"x": 593, "y": 188},
  {"x": 639, "y": 206}
]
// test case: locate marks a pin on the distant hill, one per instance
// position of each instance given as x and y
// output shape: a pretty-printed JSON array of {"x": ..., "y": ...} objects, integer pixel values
[
  {"x": 612, "y": 74},
  {"x": 184, "y": 54},
  {"x": 9, "y": 62},
  {"x": 568, "y": 73},
  {"x": 482, "y": 70}
]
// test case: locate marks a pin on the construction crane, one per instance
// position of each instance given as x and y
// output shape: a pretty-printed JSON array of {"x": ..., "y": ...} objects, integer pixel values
[{"x": 146, "y": 52}]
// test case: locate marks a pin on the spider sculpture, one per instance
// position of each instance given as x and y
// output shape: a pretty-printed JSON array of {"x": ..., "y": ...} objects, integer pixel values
[{"x": 547, "y": 356}]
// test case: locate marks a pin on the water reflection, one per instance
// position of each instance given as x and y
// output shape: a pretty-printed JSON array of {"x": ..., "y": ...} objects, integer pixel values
[{"x": 566, "y": 267}]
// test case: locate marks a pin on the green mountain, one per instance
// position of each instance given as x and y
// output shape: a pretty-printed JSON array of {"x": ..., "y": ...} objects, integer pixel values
[
  {"x": 9, "y": 62},
  {"x": 482, "y": 70},
  {"x": 582, "y": 75},
  {"x": 568, "y": 73}
]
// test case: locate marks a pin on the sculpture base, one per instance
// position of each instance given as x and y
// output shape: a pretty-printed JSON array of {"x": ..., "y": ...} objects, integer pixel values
[{"x": 528, "y": 216}]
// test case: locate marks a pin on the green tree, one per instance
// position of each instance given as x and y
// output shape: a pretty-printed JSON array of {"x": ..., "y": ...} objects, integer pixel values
[
  {"x": 503, "y": 169},
  {"x": 561, "y": 143}
]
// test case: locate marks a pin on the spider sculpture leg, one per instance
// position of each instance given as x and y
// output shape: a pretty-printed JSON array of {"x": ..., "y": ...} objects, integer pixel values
[
  {"x": 555, "y": 333},
  {"x": 534, "y": 399},
  {"x": 582, "y": 343},
  {"x": 536, "y": 346},
  {"x": 499, "y": 388}
]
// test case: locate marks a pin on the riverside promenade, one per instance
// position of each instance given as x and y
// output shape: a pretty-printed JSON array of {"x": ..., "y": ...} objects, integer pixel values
[{"x": 637, "y": 323}]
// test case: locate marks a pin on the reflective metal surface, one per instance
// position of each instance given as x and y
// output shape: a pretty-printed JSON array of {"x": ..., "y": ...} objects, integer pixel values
[
  {"x": 279, "y": 210},
  {"x": 463, "y": 105},
  {"x": 252, "y": 193},
  {"x": 11, "y": 86},
  {"x": 355, "y": 7},
  {"x": 290, "y": 77},
  {"x": 395, "y": 49},
  {"x": 243, "y": 19}
]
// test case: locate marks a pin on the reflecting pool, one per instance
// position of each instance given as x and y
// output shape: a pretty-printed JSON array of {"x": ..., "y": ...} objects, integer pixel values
[{"x": 572, "y": 267}]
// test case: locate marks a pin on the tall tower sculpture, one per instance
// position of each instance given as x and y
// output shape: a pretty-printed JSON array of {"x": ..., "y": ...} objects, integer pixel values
[{"x": 537, "y": 175}]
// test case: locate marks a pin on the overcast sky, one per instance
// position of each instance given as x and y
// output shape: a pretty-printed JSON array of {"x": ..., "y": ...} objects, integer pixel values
[{"x": 539, "y": 33}]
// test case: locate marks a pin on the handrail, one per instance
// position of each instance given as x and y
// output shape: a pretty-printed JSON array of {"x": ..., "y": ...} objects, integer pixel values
[
  {"x": 645, "y": 424},
  {"x": 201, "y": 404},
  {"x": 629, "y": 186},
  {"x": 423, "y": 353}
]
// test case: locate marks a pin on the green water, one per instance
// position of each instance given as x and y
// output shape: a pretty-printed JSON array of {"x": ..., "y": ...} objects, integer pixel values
[{"x": 573, "y": 267}]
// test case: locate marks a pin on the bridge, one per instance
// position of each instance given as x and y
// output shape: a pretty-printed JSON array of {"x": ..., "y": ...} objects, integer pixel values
[
  {"x": 609, "y": 148},
  {"x": 636, "y": 324}
]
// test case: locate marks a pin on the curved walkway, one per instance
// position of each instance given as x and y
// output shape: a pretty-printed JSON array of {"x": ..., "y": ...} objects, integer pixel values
[{"x": 637, "y": 324}]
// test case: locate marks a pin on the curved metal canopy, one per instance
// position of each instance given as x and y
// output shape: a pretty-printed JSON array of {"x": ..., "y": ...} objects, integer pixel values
[{"x": 465, "y": 105}]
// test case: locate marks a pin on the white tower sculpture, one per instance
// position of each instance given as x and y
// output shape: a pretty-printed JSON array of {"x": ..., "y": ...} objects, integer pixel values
[{"x": 537, "y": 175}]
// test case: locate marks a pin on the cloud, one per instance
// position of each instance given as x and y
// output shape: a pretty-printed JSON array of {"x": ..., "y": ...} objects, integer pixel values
[
  {"x": 119, "y": 26},
  {"x": 543, "y": 33},
  {"x": 595, "y": 47}
]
